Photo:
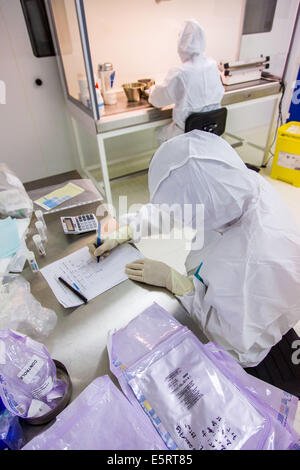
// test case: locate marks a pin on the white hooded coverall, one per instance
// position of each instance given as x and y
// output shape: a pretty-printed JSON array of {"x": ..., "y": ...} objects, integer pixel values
[
  {"x": 247, "y": 286},
  {"x": 192, "y": 87}
]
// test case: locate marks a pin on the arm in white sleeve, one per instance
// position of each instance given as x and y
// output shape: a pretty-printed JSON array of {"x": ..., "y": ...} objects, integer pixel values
[
  {"x": 166, "y": 93},
  {"x": 150, "y": 220}
]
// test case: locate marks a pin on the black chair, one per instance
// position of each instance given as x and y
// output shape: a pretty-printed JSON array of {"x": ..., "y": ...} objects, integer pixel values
[
  {"x": 209, "y": 121},
  {"x": 215, "y": 122},
  {"x": 278, "y": 368}
]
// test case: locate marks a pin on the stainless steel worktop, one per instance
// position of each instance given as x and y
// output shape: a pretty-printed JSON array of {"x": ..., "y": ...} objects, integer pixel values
[
  {"x": 80, "y": 337},
  {"x": 125, "y": 114}
]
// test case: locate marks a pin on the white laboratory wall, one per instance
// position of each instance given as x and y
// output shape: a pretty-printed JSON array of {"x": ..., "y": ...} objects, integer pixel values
[
  {"x": 140, "y": 37},
  {"x": 35, "y": 135}
]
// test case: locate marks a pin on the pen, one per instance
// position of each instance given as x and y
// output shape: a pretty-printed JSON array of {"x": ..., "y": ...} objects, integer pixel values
[
  {"x": 76, "y": 292},
  {"x": 99, "y": 239}
]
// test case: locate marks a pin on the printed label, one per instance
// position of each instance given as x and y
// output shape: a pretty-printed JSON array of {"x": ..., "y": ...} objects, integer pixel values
[
  {"x": 289, "y": 160},
  {"x": 293, "y": 129},
  {"x": 43, "y": 389},
  {"x": 30, "y": 370},
  {"x": 182, "y": 385}
]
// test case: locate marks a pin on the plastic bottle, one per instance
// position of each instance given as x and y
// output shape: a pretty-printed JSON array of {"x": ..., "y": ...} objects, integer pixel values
[
  {"x": 39, "y": 244},
  {"x": 42, "y": 231},
  {"x": 107, "y": 76},
  {"x": 82, "y": 82},
  {"x": 40, "y": 217},
  {"x": 85, "y": 99},
  {"x": 84, "y": 95},
  {"x": 32, "y": 262},
  {"x": 100, "y": 101}
]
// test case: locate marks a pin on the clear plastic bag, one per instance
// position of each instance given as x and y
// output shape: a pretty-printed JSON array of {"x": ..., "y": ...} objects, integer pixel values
[
  {"x": 20, "y": 311},
  {"x": 14, "y": 201},
  {"x": 29, "y": 387}
]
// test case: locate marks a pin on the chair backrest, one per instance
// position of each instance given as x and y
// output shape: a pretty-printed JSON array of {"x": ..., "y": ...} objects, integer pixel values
[{"x": 210, "y": 121}]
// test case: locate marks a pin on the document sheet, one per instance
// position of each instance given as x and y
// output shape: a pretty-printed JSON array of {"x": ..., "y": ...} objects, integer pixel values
[{"x": 83, "y": 273}]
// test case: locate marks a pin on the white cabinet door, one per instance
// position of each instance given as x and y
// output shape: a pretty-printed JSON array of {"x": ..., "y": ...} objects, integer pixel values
[{"x": 276, "y": 42}]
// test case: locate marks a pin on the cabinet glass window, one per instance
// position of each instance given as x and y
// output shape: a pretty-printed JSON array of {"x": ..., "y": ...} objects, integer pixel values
[
  {"x": 38, "y": 27},
  {"x": 70, "y": 50},
  {"x": 259, "y": 16}
]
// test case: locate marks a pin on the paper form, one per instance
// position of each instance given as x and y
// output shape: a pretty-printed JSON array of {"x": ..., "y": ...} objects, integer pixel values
[
  {"x": 51, "y": 200},
  {"x": 83, "y": 272}
]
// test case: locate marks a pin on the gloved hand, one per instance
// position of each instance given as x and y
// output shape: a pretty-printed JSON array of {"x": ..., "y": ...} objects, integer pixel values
[
  {"x": 108, "y": 243},
  {"x": 159, "y": 274}
]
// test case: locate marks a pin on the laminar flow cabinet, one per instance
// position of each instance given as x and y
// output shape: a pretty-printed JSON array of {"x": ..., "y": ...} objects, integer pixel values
[{"x": 140, "y": 39}]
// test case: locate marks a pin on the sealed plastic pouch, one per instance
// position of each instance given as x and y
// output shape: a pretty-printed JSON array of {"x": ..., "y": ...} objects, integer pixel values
[
  {"x": 197, "y": 406},
  {"x": 196, "y": 395},
  {"x": 145, "y": 332},
  {"x": 140, "y": 336}
]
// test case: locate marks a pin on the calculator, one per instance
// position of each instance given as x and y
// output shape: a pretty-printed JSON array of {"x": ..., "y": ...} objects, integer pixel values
[{"x": 79, "y": 223}]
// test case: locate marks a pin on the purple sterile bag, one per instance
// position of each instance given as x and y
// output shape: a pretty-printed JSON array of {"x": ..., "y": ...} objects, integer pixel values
[
  {"x": 141, "y": 335},
  {"x": 29, "y": 387},
  {"x": 196, "y": 397},
  {"x": 283, "y": 403},
  {"x": 100, "y": 418}
]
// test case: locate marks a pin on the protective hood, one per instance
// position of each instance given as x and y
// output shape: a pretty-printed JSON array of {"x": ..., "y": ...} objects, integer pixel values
[
  {"x": 202, "y": 168},
  {"x": 191, "y": 40}
]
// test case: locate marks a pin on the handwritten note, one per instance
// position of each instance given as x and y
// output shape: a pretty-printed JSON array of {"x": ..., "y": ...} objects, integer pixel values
[{"x": 83, "y": 272}]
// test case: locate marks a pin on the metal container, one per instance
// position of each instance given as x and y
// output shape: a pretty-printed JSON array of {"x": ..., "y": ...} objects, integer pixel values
[
  {"x": 104, "y": 67},
  {"x": 147, "y": 81},
  {"x": 133, "y": 91}
]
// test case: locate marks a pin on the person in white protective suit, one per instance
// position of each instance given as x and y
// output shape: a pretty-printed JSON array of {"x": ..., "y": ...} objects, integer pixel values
[
  {"x": 245, "y": 293},
  {"x": 194, "y": 86}
]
